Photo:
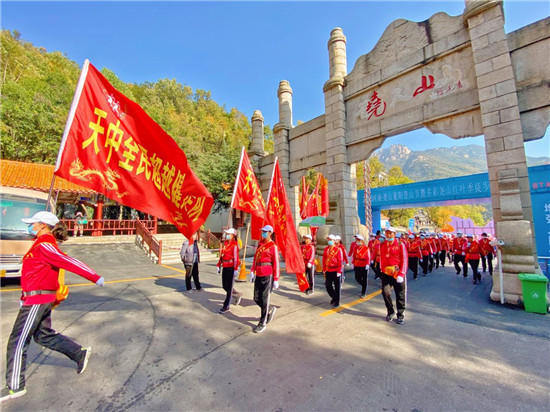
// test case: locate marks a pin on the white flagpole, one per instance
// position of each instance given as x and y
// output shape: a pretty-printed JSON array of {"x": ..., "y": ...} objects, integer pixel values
[
  {"x": 237, "y": 178},
  {"x": 271, "y": 183},
  {"x": 70, "y": 118}
]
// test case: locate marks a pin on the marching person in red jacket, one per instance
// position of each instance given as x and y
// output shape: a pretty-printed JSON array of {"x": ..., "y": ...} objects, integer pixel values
[
  {"x": 333, "y": 262},
  {"x": 459, "y": 254},
  {"x": 393, "y": 267},
  {"x": 426, "y": 250},
  {"x": 308, "y": 254},
  {"x": 487, "y": 252},
  {"x": 40, "y": 282},
  {"x": 442, "y": 250},
  {"x": 415, "y": 254},
  {"x": 265, "y": 275},
  {"x": 361, "y": 261},
  {"x": 473, "y": 254},
  {"x": 229, "y": 265}
]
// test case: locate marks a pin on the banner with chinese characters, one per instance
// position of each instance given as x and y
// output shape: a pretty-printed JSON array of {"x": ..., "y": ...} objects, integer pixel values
[
  {"x": 247, "y": 195},
  {"x": 112, "y": 146},
  {"x": 279, "y": 215}
]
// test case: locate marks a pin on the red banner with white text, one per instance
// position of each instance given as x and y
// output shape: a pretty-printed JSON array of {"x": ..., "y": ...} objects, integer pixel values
[
  {"x": 279, "y": 215},
  {"x": 112, "y": 146}
]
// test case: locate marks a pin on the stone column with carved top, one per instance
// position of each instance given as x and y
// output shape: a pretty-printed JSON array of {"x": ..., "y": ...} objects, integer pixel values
[
  {"x": 340, "y": 174},
  {"x": 506, "y": 160}
]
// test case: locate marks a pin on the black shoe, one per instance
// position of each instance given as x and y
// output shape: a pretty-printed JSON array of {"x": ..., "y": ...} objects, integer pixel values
[
  {"x": 336, "y": 305},
  {"x": 332, "y": 301},
  {"x": 224, "y": 310},
  {"x": 271, "y": 313},
  {"x": 83, "y": 362},
  {"x": 363, "y": 295},
  {"x": 259, "y": 329},
  {"x": 465, "y": 276},
  {"x": 400, "y": 321},
  {"x": 458, "y": 272},
  {"x": 390, "y": 317},
  {"x": 475, "y": 282},
  {"x": 8, "y": 393},
  {"x": 416, "y": 277}
]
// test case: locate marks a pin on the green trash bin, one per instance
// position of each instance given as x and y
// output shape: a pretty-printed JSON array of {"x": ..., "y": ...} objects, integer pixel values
[{"x": 534, "y": 292}]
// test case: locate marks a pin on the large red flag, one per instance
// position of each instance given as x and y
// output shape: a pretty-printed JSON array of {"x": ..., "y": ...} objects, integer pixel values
[
  {"x": 312, "y": 208},
  {"x": 279, "y": 215},
  {"x": 112, "y": 146},
  {"x": 324, "y": 197},
  {"x": 247, "y": 195},
  {"x": 303, "y": 198}
]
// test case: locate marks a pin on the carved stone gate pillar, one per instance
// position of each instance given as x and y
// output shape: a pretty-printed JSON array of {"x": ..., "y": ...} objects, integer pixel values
[
  {"x": 503, "y": 134},
  {"x": 340, "y": 174}
]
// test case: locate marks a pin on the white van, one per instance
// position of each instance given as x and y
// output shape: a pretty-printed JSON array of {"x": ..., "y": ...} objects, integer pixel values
[{"x": 15, "y": 240}]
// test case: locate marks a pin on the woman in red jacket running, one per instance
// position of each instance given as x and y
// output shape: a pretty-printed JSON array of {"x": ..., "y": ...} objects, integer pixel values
[{"x": 39, "y": 282}]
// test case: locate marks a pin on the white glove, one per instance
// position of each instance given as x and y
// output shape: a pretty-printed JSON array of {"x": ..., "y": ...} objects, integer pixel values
[
  {"x": 400, "y": 279},
  {"x": 235, "y": 274},
  {"x": 218, "y": 269},
  {"x": 367, "y": 267},
  {"x": 100, "y": 281},
  {"x": 252, "y": 276},
  {"x": 275, "y": 284},
  {"x": 351, "y": 266},
  {"x": 469, "y": 244},
  {"x": 338, "y": 274},
  {"x": 463, "y": 253},
  {"x": 309, "y": 265}
]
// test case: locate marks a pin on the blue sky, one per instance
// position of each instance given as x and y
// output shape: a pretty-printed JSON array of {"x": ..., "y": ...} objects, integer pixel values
[{"x": 237, "y": 50}]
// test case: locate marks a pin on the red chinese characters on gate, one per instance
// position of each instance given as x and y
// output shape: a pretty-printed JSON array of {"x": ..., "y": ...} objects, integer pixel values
[
  {"x": 113, "y": 147},
  {"x": 375, "y": 106}
]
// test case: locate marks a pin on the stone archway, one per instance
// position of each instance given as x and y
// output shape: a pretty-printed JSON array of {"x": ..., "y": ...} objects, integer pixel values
[{"x": 461, "y": 76}]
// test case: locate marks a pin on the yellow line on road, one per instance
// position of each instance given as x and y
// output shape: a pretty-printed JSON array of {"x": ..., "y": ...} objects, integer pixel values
[
  {"x": 350, "y": 304},
  {"x": 114, "y": 281}
]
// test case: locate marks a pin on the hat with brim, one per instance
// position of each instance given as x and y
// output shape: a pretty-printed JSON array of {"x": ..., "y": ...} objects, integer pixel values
[
  {"x": 231, "y": 231},
  {"x": 43, "y": 217},
  {"x": 267, "y": 228},
  {"x": 331, "y": 237},
  {"x": 307, "y": 237},
  {"x": 390, "y": 229},
  {"x": 359, "y": 237}
]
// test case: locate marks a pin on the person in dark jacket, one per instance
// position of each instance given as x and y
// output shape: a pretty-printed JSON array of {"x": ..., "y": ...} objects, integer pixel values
[
  {"x": 190, "y": 256},
  {"x": 39, "y": 284}
]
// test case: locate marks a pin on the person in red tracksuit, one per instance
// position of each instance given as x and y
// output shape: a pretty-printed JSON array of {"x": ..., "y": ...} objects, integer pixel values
[
  {"x": 393, "y": 265},
  {"x": 265, "y": 275},
  {"x": 487, "y": 252},
  {"x": 333, "y": 262},
  {"x": 415, "y": 254},
  {"x": 426, "y": 250},
  {"x": 361, "y": 260},
  {"x": 442, "y": 250},
  {"x": 459, "y": 254},
  {"x": 229, "y": 265},
  {"x": 39, "y": 284},
  {"x": 308, "y": 254},
  {"x": 473, "y": 254}
]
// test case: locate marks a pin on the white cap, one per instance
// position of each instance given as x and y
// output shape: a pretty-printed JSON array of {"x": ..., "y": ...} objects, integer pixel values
[
  {"x": 359, "y": 237},
  {"x": 231, "y": 231},
  {"x": 307, "y": 236},
  {"x": 390, "y": 229},
  {"x": 43, "y": 217},
  {"x": 411, "y": 236},
  {"x": 337, "y": 237},
  {"x": 331, "y": 237},
  {"x": 267, "y": 228},
  {"x": 469, "y": 235}
]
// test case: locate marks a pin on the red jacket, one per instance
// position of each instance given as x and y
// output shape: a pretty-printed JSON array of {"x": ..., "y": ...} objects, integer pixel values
[
  {"x": 352, "y": 249},
  {"x": 266, "y": 260},
  {"x": 333, "y": 259},
  {"x": 41, "y": 266},
  {"x": 344, "y": 253},
  {"x": 472, "y": 250},
  {"x": 308, "y": 253},
  {"x": 229, "y": 256},
  {"x": 485, "y": 246},
  {"x": 459, "y": 244},
  {"x": 361, "y": 256},
  {"x": 394, "y": 254},
  {"x": 414, "y": 248}
]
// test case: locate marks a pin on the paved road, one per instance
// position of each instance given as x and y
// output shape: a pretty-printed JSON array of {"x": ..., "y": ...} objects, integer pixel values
[{"x": 158, "y": 348}]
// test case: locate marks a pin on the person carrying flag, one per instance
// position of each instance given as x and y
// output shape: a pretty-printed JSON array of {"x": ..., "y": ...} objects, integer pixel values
[
  {"x": 308, "y": 253},
  {"x": 361, "y": 259},
  {"x": 333, "y": 262},
  {"x": 229, "y": 265},
  {"x": 265, "y": 275},
  {"x": 39, "y": 284}
]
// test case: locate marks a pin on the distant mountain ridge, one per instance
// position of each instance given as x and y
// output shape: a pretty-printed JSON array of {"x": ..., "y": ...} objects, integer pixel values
[{"x": 441, "y": 162}]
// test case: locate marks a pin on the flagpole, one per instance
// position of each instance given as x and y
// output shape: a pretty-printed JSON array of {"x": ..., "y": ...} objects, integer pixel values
[
  {"x": 271, "y": 183},
  {"x": 242, "y": 274},
  {"x": 235, "y": 189}
]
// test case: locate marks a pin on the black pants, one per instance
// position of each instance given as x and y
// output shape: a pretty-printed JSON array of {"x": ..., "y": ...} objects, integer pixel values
[
  {"x": 474, "y": 263},
  {"x": 431, "y": 263},
  {"x": 460, "y": 259},
  {"x": 262, "y": 292},
  {"x": 227, "y": 282},
  {"x": 376, "y": 269},
  {"x": 310, "y": 274},
  {"x": 34, "y": 321},
  {"x": 424, "y": 264},
  {"x": 442, "y": 256},
  {"x": 487, "y": 261},
  {"x": 192, "y": 271},
  {"x": 413, "y": 266},
  {"x": 400, "y": 289},
  {"x": 361, "y": 276},
  {"x": 333, "y": 285}
]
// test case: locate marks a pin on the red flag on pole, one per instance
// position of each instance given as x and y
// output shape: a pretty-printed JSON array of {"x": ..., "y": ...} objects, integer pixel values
[
  {"x": 303, "y": 198},
  {"x": 279, "y": 215},
  {"x": 112, "y": 146},
  {"x": 247, "y": 195},
  {"x": 324, "y": 197},
  {"x": 313, "y": 207}
]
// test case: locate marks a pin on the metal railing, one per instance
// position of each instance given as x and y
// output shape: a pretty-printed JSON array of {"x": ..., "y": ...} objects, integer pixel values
[
  {"x": 211, "y": 240},
  {"x": 101, "y": 227},
  {"x": 154, "y": 245}
]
